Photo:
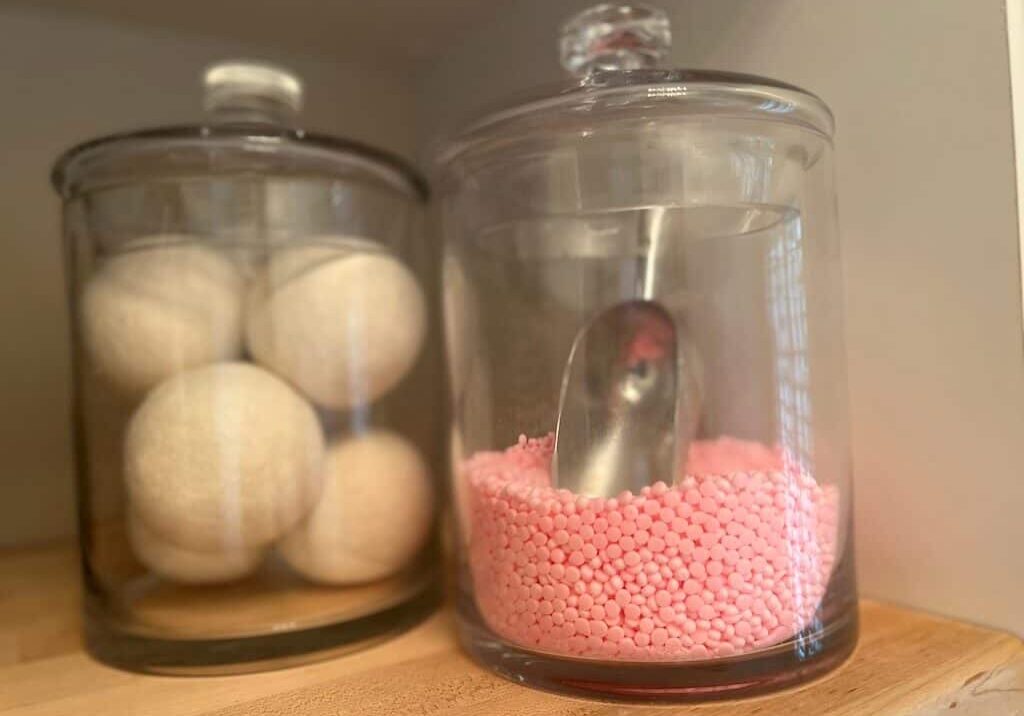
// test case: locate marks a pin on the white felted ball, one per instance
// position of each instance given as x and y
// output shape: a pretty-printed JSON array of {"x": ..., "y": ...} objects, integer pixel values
[
  {"x": 373, "y": 517},
  {"x": 190, "y": 566},
  {"x": 343, "y": 325},
  {"x": 151, "y": 312},
  {"x": 226, "y": 455}
]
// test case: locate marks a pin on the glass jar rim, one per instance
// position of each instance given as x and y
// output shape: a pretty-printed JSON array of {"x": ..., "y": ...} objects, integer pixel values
[
  {"x": 76, "y": 169},
  {"x": 607, "y": 94}
]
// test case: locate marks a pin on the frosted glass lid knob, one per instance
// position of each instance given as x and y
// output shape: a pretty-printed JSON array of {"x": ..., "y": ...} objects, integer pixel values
[
  {"x": 240, "y": 85},
  {"x": 615, "y": 37}
]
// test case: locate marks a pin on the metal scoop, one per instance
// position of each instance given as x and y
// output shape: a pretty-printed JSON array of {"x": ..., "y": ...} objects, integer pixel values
[{"x": 617, "y": 416}]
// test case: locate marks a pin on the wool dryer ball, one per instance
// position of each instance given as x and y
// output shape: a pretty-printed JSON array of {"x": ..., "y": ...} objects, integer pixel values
[
  {"x": 167, "y": 305},
  {"x": 343, "y": 325},
  {"x": 225, "y": 455},
  {"x": 374, "y": 516},
  {"x": 190, "y": 566}
]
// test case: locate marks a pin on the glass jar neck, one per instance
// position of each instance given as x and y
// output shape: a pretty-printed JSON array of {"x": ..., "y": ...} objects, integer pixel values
[{"x": 252, "y": 110}]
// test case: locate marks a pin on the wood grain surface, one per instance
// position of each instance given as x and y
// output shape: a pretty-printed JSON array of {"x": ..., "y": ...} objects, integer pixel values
[{"x": 907, "y": 663}]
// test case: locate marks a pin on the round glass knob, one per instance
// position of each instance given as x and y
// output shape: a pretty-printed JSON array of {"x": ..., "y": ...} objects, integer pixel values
[
  {"x": 614, "y": 37},
  {"x": 255, "y": 90}
]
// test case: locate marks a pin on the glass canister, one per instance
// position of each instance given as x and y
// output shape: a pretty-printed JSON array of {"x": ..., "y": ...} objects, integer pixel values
[
  {"x": 257, "y": 372},
  {"x": 643, "y": 305}
]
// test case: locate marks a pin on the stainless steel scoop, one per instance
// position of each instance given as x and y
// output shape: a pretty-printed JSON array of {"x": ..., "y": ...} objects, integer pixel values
[
  {"x": 617, "y": 419},
  {"x": 628, "y": 408}
]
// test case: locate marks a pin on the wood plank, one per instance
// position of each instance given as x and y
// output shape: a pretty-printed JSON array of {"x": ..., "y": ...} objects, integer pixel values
[{"x": 907, "y": 664}]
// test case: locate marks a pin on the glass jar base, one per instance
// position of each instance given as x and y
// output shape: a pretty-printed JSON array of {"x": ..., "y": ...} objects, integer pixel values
[
  {"x": 110, "y": 642},
  {"x": 781, "y": 666}
]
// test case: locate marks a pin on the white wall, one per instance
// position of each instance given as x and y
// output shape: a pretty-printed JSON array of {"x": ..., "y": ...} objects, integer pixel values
[
  {"x": 66, "y": 79},
  {"x": 921, "y": 92},
  {"x": 1015, "y": 37}
]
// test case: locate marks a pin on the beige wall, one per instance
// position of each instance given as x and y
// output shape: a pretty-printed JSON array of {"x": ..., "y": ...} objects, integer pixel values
[
  {"x": 66, "y": 79},
  {"x": 921, "y": 92}
]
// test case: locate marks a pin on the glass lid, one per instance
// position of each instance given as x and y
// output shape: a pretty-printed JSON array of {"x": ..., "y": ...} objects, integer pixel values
[
  {"x": 611, "y": 51},
  {"x": 252, "y": 109}
]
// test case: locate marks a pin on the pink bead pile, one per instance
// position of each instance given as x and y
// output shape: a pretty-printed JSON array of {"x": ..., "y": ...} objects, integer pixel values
[{"x": 734, "y": 558}]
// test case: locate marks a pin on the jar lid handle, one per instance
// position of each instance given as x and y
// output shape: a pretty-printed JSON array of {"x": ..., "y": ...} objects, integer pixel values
[
  {"x": 243, "y": 89},
  {"x": 614, "y": 37}
]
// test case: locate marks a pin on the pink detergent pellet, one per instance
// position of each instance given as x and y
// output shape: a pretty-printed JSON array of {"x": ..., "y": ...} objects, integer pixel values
[{"x": 734, "y": 558}]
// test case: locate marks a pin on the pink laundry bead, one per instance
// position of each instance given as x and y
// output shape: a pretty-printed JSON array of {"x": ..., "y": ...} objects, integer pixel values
[
  {"x": 659, "y": 636},
  {"x": 693, "y": 603}
]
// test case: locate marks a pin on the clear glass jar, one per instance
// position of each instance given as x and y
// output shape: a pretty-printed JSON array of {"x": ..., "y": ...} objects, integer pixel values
[
  {"x": 705, "y": 200},
  {"x": 257, "y": 366}
]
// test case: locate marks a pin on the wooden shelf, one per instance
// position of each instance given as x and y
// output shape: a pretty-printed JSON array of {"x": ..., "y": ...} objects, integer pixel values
[{"x": 907, "y": 663}]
